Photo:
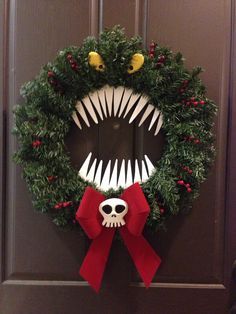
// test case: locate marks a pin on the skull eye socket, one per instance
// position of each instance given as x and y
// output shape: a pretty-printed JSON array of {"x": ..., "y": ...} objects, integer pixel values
[
  {"x": 120, "y": 208},
  {"x": 107, "y": 209}
]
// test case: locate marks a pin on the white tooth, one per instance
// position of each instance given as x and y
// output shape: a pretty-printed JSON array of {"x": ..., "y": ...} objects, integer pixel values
[
  {"x": 106, "y": 177},
  {"x": 140, "y": 105},
  {"x": 76, "y": 120},
  {"x": 94, "y": 98},
  {"x": 131, "y": 103},
  {"x": 84, "y": 169},
  {"x": 113, "y": 182},
  {"x": 91, "y": 173},
  {"x": 147, "y": 112},
  {"x": 98, "y": 175},
  {"x": 121, "y": 180},
  {"x": 109, "y": 98},
  {"x": 87, "y": 103},
  {"x": 159, "y": 124},
  {"x": 137, "y": 177},
  {"x": 150, "y": 166},
  {"x": 81, "y": 111},
  {"x": 144, "y": 172},
  {"x": 129, "y": 177},
  {"x": 101, "y": 96},
  {"x": 154, "y": 117},
  {"x": 125, "y": 99},
  {"x": 118, "y": 92}
]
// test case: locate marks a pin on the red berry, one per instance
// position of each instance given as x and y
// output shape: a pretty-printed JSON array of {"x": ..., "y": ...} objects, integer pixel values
[
  {"x": 192, "y": 98},
  {"x": 69, "y": 56},
  {"x": 185, "y": 82},
  {"x": 58, "y": 205},
  {"x": 180, "y": 182},
  {"x": 36, "y": 143},
  {"x": 196, "y": 141},
  {"x": 152, "y": 45},
  {"x": 195, "y": 103},
  {"x": 50, "y": 74},
  {"x": 161, "y": 58},
  {"x": 202, "y": 102},
  {"x": 190, "y": 171},
  {"x": 162, "y": 210},
  {"x": 50, "y": 178},
  {"x": 151, "y": 55},
  {"x": 66, "y": 204},
  {"x": 188, "y": 103},
  {"x": 189, "y": 190},
  {"x": 187, "y": 185}
]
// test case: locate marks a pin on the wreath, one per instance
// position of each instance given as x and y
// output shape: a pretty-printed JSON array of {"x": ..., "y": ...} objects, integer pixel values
[
  {"x": 115, "y": 76},
  {"x": 51, "y": 105}
]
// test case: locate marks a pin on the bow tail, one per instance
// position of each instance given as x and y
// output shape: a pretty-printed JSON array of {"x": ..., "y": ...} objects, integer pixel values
[
  {"x": 145, "y": 259},
  {"x": 94, "y": 263}
]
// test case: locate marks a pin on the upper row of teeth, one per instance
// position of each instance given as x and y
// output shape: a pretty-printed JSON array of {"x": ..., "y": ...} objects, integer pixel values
[
  {"x": 112, "y": 178},
  {"x": 118, "y": 102}
]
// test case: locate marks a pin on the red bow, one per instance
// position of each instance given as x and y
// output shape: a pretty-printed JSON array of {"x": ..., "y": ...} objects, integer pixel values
[{"x": 144, "y": 257}]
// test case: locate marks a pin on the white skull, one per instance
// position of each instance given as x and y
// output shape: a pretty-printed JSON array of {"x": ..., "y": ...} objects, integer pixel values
[{"x": 113, "y": 211}]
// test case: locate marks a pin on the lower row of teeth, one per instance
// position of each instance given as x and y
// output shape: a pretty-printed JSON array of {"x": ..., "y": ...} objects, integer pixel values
[{"x": 114, "y": 178}]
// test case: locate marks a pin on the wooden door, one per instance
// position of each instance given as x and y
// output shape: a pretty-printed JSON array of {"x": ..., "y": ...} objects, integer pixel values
[{"x": 39, "y": 263}]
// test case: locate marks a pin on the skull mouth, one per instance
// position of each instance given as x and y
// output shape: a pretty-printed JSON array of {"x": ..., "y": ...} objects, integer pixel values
[{"x": 119, "y": 102}]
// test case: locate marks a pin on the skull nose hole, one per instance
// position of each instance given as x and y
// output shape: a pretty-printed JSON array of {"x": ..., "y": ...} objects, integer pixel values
[
  {"x": 120, "y": 208},
  {"x": 113, "y": 215},
  {"x": 107, "y": 209}
]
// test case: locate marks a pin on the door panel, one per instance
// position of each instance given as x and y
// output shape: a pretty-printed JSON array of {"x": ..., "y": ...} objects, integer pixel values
[
  {"x": 40, "y": 262},
  {"x": 120, "y": 12}
]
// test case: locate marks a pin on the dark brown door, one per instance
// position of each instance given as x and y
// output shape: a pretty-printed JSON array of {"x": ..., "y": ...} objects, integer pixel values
[{"x": 39, "y": 263}]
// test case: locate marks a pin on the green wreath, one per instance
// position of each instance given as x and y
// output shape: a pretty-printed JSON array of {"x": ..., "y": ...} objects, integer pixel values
[{"x": 45, "y": 118}]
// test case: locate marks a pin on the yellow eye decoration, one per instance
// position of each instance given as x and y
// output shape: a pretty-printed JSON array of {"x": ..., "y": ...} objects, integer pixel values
[
  {"x": 136, "y": 63},
  {"x": 95, "y": 60}
]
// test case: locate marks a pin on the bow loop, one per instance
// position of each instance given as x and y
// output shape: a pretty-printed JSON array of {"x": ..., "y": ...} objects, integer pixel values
[
  {"x": 88, "y": 215},
  {"x": 138, "y": 209}
]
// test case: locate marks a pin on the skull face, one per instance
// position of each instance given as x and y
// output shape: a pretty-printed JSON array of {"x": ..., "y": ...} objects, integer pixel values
[{"x": 113, "y": 211}]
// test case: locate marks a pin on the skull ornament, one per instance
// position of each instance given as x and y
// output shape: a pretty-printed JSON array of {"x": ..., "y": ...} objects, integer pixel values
[{"x": 113, "y": 211}]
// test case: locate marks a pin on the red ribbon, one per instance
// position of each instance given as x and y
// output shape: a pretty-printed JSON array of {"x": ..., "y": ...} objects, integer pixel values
[{"x": 144, "y": 257}]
